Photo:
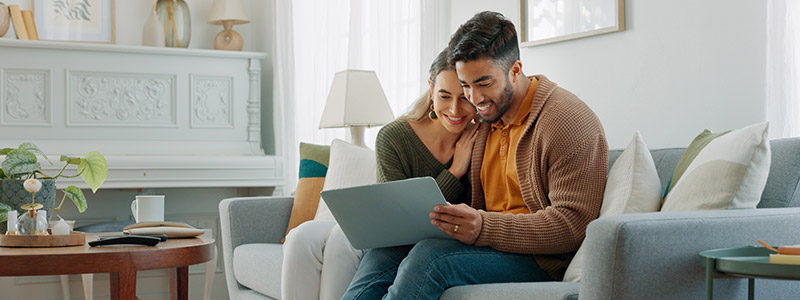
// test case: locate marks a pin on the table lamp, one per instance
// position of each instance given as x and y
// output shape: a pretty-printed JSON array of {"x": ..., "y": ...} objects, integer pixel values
[
  {"x": 356, "y": 100},
  {"x": 228, "y": 13}
]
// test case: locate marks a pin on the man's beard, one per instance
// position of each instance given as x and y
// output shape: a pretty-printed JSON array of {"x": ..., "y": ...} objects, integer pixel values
[{"x": 502, "y": 105}]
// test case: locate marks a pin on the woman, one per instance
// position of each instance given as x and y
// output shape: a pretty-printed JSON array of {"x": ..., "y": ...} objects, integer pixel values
[{"x": 429, "y": 140}]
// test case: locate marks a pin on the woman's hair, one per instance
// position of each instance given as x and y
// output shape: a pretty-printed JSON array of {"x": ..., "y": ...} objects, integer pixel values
[{"x": 419, "y": 111}]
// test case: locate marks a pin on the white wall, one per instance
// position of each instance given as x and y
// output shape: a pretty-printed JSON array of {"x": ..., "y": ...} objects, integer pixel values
[{"x": 679, "y": 67}]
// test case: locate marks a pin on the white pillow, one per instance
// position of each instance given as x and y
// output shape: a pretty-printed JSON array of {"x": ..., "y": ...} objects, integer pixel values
[
  {"x": 730, "y": 172},
  {"x": 632, "y": 187},
  {"x": 349, "y": 166}
]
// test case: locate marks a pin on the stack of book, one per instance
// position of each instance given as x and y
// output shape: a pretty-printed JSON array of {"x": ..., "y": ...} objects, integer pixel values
[
  {"x": 24, "y": 25},
  {"x": 789, "y": 255}
]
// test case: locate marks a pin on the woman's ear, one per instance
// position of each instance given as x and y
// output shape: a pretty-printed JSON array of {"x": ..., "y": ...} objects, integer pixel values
[{"x": 430, "y": 84}]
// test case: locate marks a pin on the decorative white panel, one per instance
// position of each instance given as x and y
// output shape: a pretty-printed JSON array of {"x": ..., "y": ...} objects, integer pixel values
[
  {"x": 26, "y": 97},
  {"x": 121, "y": 99},
  {"x": 212, "y": 105}
]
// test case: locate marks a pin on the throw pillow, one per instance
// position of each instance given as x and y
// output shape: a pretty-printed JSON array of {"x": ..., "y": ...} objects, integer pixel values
[
  {"x": 350, "y": 166},
  {"x": 632, "y": 187},
  {"x": 729, "y": 172},
  {"x": 313, "y": 167}
]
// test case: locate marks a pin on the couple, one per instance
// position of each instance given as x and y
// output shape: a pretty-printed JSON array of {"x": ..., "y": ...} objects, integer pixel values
[{"x": 532, "y": 173}]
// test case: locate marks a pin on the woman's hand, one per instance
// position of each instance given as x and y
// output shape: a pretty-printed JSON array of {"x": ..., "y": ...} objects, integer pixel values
[
  {"x": 463, "y": 153},
  {"x": 459, "y": 221}
]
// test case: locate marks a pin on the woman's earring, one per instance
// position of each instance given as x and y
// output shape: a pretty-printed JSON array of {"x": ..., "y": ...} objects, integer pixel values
[{"x": 432, "y": 115}]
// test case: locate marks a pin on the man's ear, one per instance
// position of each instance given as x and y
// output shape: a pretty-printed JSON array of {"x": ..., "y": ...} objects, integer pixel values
[{"x": 515, "y": 72}]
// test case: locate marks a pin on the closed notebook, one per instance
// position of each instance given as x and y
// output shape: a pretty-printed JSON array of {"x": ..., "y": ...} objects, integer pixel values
[{"x": 784, "y": 259}]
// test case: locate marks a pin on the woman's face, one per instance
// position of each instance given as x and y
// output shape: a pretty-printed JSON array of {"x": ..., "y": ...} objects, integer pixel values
[{"x": 449, "y": 103}]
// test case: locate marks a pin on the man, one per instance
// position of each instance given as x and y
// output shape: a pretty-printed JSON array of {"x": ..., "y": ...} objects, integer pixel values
[{"x": 538, "y": 173}]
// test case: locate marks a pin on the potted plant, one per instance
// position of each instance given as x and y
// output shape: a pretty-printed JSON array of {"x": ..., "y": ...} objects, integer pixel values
[{"x": 21, "y": 164}]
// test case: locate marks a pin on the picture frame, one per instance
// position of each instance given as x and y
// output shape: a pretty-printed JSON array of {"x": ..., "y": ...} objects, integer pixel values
[
  {"x": 87, "y": 21},
  {"x": 550, "y": 21}
]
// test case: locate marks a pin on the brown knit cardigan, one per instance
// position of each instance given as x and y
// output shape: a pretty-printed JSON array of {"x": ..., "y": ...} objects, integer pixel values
[{"x": 562, "y": 160}]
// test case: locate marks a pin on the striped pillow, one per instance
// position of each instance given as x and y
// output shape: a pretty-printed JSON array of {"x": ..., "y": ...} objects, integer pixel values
[{"x": 313, "y": 167}]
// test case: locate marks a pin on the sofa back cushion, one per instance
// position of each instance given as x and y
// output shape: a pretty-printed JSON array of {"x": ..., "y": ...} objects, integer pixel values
[{"x": 782, "y": 189}]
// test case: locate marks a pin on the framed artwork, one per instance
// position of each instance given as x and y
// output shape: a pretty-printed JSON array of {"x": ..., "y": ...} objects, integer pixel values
[
  {"x": 550, "y": 21},
  {"x": 90, "y": 21}
]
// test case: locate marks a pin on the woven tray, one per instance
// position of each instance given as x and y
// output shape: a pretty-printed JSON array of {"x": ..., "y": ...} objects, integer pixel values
[{"x": 76, "y": 238}]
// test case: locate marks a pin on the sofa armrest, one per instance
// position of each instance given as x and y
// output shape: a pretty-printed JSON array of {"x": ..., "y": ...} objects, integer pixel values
[
  {"x": 656, "y": 255},
  {"x": 247, "y": 220}
]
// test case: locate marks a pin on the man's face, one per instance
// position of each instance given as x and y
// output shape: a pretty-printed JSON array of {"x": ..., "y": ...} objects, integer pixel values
[{"x": 486, "y": 86}]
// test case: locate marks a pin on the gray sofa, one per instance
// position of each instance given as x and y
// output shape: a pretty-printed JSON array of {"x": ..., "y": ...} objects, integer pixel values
[{"x": 633, "y": 256}]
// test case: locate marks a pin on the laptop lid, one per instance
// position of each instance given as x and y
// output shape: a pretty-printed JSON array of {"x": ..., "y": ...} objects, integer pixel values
[{"x": 387, "y": 214}]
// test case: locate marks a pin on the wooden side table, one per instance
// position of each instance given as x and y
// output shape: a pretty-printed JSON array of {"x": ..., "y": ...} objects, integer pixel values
[
  {"x": 122, "y": 262},
  {"x": 747, "y": 262}
]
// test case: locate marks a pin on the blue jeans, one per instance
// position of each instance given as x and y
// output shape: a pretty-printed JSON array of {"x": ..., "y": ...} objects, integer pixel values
[{"x": 427, "y": 269}]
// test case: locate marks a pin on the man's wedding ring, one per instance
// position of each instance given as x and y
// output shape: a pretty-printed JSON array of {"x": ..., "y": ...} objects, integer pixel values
[{"x": 455, "y": 229}]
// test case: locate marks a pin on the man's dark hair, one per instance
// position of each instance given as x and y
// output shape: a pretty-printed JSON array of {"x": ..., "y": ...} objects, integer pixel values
[{"x": 487, "y": 34}]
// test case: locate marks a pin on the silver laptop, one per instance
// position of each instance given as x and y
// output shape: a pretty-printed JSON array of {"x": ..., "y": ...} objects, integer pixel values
[{"x": 387, "y": 214}]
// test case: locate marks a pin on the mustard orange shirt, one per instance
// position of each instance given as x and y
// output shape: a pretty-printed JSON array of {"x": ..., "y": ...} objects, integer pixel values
[{"x": 499, "y": 169}]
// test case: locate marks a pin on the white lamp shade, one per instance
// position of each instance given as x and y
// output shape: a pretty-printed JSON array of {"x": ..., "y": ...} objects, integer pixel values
[
  {"x": 356, "y": 99},
  {"x": 227, "y": 10}
]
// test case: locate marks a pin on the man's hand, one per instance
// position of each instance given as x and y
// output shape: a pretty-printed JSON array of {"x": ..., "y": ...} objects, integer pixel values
[{"x": 459, "y": 221}]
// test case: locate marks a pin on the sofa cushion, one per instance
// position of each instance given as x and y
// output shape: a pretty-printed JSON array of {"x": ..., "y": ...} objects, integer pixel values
[
  {"x": 729, "y": 172},
  {"x": 511, "y": 291},
  {"x": 313, "y": 167},
  {"x": 258, "y": 267},
  {"x": 633, "y": 186},
  {"x": 350, "y": 165}
]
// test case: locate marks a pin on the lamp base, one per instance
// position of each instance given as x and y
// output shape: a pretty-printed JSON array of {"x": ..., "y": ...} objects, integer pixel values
[
  {"x": 357, "y": 135},
  {"x": 228, "y": 39}
]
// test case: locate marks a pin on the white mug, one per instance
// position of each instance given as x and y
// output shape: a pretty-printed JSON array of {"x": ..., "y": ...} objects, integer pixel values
[{"x": 148, "y": 208}]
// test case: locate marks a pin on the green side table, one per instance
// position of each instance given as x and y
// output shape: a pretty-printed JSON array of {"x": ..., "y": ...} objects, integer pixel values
[{"x": 747, "y": 262}]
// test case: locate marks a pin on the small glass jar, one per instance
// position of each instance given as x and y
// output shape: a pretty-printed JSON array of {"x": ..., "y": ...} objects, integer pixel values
[
  {"x": 36, "y": 225},
  {"x": 26, "y": 223}
]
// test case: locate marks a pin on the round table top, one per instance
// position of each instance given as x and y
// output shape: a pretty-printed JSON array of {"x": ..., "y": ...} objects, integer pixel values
[
  {"x": 750, "y": 262},
  {"x": 104, "y": 259}
]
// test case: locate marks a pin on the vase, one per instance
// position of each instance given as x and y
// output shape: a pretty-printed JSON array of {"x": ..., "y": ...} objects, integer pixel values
[
  {"x": 14, "y": 194},
  {"x": 153, "y": 31},
  {"x": 174, "y": 15},
  {"x": 4, "y": 20}
]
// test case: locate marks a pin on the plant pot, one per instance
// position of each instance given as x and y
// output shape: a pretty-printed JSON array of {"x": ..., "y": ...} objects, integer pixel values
[
  {"x": 14, "y": 194},
  {"x": 5, "y": 20}
]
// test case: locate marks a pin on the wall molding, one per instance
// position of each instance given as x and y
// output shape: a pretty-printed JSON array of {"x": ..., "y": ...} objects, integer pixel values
[{"x": 26, "y": 98}]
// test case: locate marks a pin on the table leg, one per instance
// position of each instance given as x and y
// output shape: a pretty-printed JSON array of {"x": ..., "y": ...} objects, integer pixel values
[
  {"x": 751, "y": 288},
  {"x": 709, "y": 278},
  {"x": 123, "y": 285},
  {"x": 179, "y": 283}
]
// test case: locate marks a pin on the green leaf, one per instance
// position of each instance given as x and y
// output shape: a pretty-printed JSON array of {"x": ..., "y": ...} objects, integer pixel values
[
  {"x": 77, "y": 197},
  {"x": 93, "y": 169},
  {"x": 30, "y": 147},
  {"x": 4, "y": 208},
  {"x": 5, "y": 151},
  {"x": 71, "y": 160},
  {"x": 19, "y": 162},
  {"x": 2, "y": 174}
]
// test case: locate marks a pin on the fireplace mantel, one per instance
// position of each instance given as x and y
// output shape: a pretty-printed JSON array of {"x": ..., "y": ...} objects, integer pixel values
[{"x": 163, "y": 117}]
